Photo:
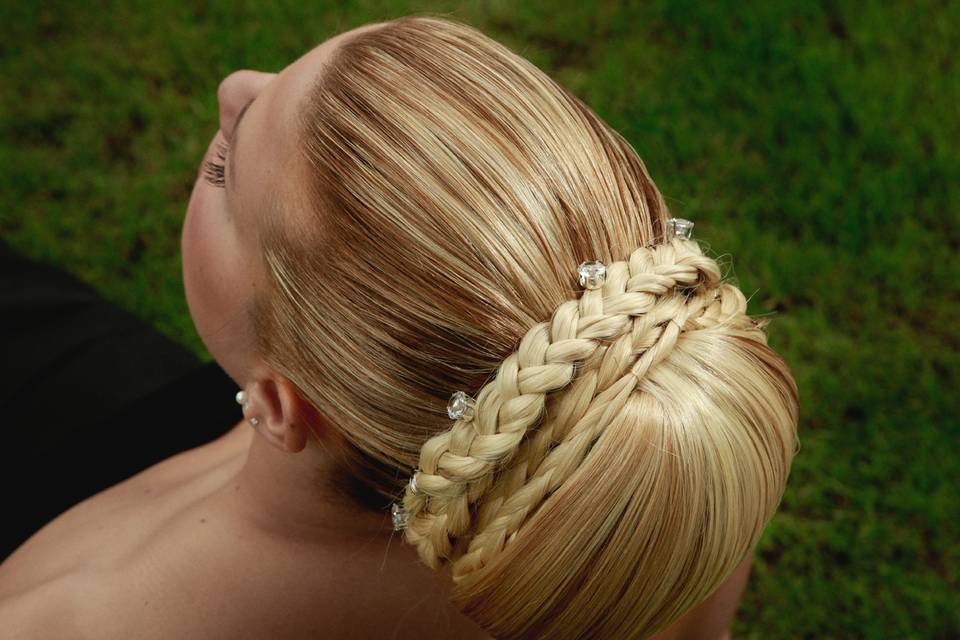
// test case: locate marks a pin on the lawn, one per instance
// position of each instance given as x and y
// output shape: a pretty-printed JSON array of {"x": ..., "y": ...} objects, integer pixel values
[{"x": 816, "y": 144}]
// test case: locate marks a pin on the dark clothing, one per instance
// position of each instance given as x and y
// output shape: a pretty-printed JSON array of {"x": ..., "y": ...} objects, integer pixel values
[{"x": 90, "y": 395}]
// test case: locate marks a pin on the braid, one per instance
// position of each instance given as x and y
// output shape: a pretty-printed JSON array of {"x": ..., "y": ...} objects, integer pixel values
[{"x": 617, "y": 333}]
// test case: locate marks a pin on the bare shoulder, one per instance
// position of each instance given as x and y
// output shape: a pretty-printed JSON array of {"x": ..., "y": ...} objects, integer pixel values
[
  {"x": 138, "y": 602},
  {"x": 39, "y": 613},
  {"x": 256, "y": 599},
  {"x": 224, "y": 584},
  {"x": 90, "y": 605}
]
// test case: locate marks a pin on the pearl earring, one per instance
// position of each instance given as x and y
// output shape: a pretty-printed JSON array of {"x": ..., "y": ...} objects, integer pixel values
[{"x": 241, "y": 398}]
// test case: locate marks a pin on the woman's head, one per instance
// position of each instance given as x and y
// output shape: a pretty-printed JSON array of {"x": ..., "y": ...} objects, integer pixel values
[{"x": 419, "y": 218}]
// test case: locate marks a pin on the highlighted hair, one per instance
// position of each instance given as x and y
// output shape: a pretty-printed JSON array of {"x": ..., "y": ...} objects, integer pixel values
[{"x": 630, "y": 443}]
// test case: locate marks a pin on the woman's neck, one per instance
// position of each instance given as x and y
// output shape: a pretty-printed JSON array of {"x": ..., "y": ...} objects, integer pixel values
[
  {"x": 286, "y": 495},
  {"x": 280, "y": 497}
]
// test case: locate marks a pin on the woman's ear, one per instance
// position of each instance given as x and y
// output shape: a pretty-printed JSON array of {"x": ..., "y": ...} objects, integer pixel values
[{"x": 284, "y": 418}]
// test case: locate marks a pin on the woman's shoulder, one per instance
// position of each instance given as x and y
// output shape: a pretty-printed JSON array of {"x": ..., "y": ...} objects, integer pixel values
[
  {"x": 212, "y": 581},
  {"x": 194, "y": 577},
  {"x": 245, "y": 596},
  {"x": 175, "y": 566},
  {"x": 88, "y": 557},
  {"x": 39, "y": 613}
]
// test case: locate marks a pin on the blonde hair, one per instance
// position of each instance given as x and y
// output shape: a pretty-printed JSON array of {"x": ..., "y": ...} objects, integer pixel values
[{"x": 630, "y": 443}]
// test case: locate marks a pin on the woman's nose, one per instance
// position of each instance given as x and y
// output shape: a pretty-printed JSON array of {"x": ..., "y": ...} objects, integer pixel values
[{"x": 236, "y": 90}]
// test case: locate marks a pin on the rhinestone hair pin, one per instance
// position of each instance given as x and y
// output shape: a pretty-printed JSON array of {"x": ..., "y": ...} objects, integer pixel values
[
  {"x": 591, "y": 276},
  {"x": 399, "y": 515},
  {"x": 461, "y": 406},
  {"x": 679, "y": 227}
]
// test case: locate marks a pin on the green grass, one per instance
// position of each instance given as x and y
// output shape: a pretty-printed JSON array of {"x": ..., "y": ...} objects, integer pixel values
[{"x": 815, "y": 143}]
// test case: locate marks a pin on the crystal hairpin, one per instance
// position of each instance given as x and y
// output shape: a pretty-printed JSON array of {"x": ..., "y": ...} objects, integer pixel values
[
  {"x": 399, "y": 515},
  {"x": 679, "y": 227},
  {"x": 461, "y": 406},
  {"x": 592, "y": 274}
]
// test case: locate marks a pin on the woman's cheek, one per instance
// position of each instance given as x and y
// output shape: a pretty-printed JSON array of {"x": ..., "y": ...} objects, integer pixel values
[
  {"x": 214, "y": 276},
  {"x": 204, "y": 259},
  {"x": 191, "y": 252}
]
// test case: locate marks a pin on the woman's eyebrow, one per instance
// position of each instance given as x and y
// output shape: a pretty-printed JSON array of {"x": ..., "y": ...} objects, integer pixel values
[{"x": 233, "y": 141}]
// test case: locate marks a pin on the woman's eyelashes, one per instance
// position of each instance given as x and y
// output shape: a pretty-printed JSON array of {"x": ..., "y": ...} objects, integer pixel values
[{"x": 213, "y": 170}]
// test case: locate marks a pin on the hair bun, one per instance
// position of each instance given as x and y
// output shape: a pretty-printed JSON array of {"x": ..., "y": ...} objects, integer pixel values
[{"x": 614, "y": 334}]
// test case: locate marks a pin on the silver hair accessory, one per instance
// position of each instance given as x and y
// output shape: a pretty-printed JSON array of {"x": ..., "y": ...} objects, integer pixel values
[
  {"x": 241, "y": 399},
  {"x": 680, "y": 227},
  {"x": 461, "y": 406},
  {"x": 399, "y": 514},
  {"x": 591, "y": 275}
]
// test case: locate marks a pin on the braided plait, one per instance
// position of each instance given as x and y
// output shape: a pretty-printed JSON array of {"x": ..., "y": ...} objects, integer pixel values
[{"x": 616, "y": 333}]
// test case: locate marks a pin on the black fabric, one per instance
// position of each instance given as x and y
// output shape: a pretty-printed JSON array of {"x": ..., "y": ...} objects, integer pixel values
[{"x": 90, "y": 395}]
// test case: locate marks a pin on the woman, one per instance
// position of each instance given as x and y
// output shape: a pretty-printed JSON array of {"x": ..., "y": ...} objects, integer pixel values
[{"x": 397, "y": 216}]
